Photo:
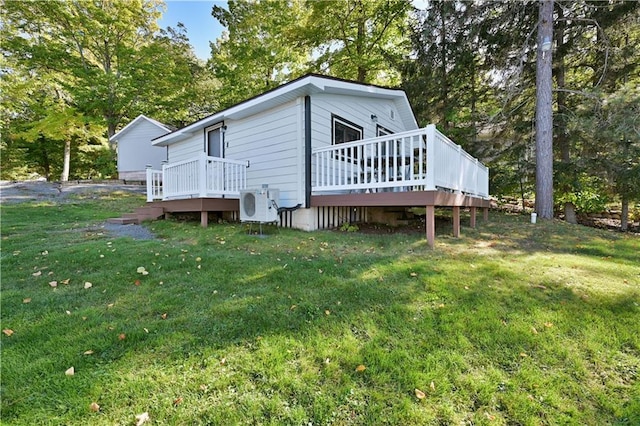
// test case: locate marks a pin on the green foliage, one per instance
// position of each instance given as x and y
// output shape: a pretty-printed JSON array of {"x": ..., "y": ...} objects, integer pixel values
[
  {"x": 589, "y": 195},
  {"x": 347, "y": 227},
  {"x": 512, "y": 323},
  {"x": 256, "y": 52},
  {"x": 359, "y": 40}
]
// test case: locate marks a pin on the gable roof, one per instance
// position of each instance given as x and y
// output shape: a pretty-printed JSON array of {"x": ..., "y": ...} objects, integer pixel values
[
  {"x": 303, "y": 86},
  {"x": 134, "y": 123}
]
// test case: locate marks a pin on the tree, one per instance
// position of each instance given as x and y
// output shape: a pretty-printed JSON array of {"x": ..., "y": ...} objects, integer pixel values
[
  {"x": 357, "y": 39},
  {"x": 257, "y": 51},
  {"x": 544, "y": 113},
  {"x": 102, "y": 62}
]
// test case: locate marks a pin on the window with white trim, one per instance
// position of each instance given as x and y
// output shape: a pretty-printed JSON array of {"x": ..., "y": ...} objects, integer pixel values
[{"x": 344, "y": 131}]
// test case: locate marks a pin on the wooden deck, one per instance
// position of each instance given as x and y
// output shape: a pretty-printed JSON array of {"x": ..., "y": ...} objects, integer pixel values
[
  {"x": 427, "y": 199},
  {"x": 423, "y": 199}
]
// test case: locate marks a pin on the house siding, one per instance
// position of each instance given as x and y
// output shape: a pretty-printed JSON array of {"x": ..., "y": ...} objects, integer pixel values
[
  {"x": 355, "y": 109},
  {"x": 187, "y": 149},
  {"x": 272, "y": 143},
  {"x": 135, "y": 150}
]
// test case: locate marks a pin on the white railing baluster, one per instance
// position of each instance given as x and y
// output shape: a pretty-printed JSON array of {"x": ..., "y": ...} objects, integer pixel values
[{"x": 422, "y": 159}]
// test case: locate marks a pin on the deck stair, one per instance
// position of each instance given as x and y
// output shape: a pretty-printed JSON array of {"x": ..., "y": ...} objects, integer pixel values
[{"x": 141, "y": 214}]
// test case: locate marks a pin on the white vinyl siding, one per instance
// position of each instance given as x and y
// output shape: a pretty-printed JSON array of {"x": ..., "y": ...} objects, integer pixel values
[
  {"x": 356, "y": 109},
  {"x": 135, "y": 150},
  {"x": 187, "y": 148},
  {"x": 271, "y": 142}
]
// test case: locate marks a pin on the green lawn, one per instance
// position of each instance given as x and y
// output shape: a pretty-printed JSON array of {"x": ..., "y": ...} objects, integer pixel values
[{"x": 512, "y": 323}]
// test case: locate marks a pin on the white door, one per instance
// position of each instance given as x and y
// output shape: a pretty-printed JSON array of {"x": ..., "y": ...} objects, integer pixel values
[{"x": 215, "y": 143}]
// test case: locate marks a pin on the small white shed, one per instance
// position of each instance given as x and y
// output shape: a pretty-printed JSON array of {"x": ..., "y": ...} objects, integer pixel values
[{"x": 134, "y": 148}]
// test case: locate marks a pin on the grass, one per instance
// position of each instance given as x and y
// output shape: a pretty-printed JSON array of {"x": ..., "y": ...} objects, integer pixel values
[{"x": 511, "y": 324}]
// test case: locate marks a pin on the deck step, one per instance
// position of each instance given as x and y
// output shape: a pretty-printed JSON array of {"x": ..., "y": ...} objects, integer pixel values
[
  {"x": 141, "y": 214},
  {"x": 123, "y": 220},
  {"x": 150, "y": 211}
]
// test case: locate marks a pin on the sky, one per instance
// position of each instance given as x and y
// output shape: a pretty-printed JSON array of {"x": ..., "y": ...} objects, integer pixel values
[{"x": 196, "y": 16}]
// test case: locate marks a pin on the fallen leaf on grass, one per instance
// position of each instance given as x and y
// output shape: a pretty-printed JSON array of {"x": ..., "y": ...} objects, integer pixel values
[
  {"x": 198, "y": 259},
  {"x": 489, "y": 416},
  {"x": 7, "y": 331},
  {"x": 533, "y": 330},
  {"x": 540, "y": 286},
  {"x": 548, "y": 324},
  {"x": 419, "y": 394},
  {"x": 164, "y": 316},
  {"x": 223, "y": 361},
  {"x": 87, "y": 285},
  {"x": 137, "y": 282},
  {"x": 65, "y": 281},
  {"x": 89, "y": 352},
  {"x": 178, "y": 401},
  {"x": 327, "y": 312},
  {"x": 53, "y": 283},
  {"x": 413, "y": 274},
  {"x": 360, "y": 368},
  {"x": 432, "y": 386},
  {"x": 122, "y": 336},
  {"x": 37, "y": 274},
  {"x": 70, "y": 371},
  {"x": 142, "y": 270},
  {"x": 26, "y": 300},
  {"x": 94, "y": 407},
  {"x": 142, "y": 418},
  {"x": 523, "y": 355}
]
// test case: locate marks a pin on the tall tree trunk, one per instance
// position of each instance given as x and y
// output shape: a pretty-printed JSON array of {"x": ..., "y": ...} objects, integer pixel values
[
  {"x": 64, "y": 177},
  {"x": 544, "y": 115},
  {"x": 561, "y": 122},
  {"x": 444, "y": 89},
  {"x": 624, "y": 214}
]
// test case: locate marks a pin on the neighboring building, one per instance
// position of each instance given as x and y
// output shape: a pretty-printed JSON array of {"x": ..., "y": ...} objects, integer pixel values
[{"x": 134, "y": 149}]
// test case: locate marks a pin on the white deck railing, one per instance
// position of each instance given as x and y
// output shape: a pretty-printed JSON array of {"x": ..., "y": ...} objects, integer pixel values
[
  {"x": 422, "y": 159},
  {"x": 201, "y": 177}
]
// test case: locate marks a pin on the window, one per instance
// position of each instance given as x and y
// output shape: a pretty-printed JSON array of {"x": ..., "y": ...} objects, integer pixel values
[
  {"x": 381, "y": 131},
  {"x": 344, "y": 130}
]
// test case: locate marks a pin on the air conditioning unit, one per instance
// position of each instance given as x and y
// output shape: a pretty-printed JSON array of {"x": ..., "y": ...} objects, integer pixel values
[{"x": 259, "y": 205}]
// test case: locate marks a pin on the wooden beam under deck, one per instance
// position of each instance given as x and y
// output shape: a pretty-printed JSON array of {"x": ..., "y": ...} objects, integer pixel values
[
  {"x": 428, "y": 199},
  {"x": 405, "y": 199},
  {"x": 202, "y": 205}
]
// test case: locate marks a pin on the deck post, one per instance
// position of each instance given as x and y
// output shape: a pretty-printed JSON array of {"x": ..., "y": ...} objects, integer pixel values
[
  {"x": 430, "y": 183},
  {"x": 204, "y": 219},
  {"x": 430, "y": 220},
  {"x": 485, "y": 214},
  {"x": 472, "y": 214},
  {"x": 149, "y": 183},
  {"x": 456, "y": 221},
  {"x": 202, "y": 174}
]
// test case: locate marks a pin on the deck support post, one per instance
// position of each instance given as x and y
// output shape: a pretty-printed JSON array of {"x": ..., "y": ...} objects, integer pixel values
[
  {"x": 485, "y": 214},
  {"x": 472, "y": 216},
  {"x": 430, "y": 220},
  {"x": 456, "y": 221},
  {"x": 204, "y": 219}
]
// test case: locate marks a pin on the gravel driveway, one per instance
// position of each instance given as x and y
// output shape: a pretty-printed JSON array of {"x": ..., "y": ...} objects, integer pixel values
[{"x": 24, "y": 191}]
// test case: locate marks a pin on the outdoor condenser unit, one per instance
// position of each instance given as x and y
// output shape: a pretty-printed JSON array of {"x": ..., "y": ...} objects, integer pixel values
[{"x": 259, "y": 205}]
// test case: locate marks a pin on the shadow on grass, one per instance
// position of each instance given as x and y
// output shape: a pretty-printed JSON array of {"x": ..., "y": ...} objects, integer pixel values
[{"x": 410, "y": 314}]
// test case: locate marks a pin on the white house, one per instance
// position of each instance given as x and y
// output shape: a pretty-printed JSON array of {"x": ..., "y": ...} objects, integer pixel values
[
  {"x": 337, "y": 151},
  {"x": 134, "y": 149}
]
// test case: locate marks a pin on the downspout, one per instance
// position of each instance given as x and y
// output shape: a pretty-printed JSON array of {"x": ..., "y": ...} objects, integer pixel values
[{"x": 307, "y": 151}]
